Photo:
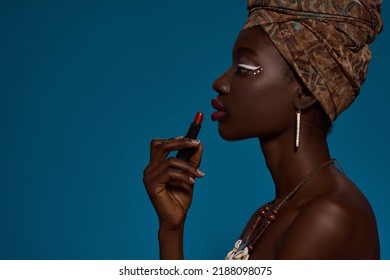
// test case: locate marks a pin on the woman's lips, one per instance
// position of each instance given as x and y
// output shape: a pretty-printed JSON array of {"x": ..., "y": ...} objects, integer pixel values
[
  {"x": 217, "y": 115},
  {"x": 221, "y": 112}
]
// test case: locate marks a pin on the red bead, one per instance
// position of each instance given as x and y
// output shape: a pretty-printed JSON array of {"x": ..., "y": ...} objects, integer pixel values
[
  {"x": 263, "y": 213},
  {"x": 272, "y": 217}
]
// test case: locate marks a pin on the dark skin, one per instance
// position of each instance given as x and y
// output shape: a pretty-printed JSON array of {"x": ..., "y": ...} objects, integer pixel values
[{"x": 329, "y": 218}]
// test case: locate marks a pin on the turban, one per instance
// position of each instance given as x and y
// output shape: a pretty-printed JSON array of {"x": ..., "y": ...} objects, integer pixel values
[{"x": 324, "y": 41}]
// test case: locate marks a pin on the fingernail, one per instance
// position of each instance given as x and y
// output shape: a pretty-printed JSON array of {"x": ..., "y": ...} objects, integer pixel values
[
  {"x": 196, "y": 141},
  {"x": 191, "y": 179},
  {"x": 200, "y": 172},
  {"x": 179, "y": 137}
]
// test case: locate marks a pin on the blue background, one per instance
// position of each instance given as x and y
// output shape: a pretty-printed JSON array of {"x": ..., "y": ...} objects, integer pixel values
[{"x": 85, "y": 86}]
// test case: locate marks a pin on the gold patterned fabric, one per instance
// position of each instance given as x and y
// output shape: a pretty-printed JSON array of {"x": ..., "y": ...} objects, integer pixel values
[{"x": 324, "y": 41}]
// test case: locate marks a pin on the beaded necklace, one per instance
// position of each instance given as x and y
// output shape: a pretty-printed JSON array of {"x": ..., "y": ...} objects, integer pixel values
[{"x": 267, "y": 216}]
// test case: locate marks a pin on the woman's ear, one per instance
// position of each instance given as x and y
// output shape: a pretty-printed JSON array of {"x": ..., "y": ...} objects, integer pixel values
[{"x": 304, "y": 99}]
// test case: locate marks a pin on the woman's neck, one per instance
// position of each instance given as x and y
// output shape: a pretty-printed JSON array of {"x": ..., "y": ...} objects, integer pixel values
[{"x": 289, "y": 165}]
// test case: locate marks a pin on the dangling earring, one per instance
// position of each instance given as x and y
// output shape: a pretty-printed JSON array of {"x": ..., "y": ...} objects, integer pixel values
[{"x": 298, "y": 128}]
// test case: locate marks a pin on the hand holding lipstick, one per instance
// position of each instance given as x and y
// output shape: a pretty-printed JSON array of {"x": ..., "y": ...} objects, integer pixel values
[{"x": 169, "y": 183}]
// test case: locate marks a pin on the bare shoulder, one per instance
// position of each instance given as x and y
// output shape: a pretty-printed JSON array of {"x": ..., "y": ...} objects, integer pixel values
[{"x": 337, "y": 224}]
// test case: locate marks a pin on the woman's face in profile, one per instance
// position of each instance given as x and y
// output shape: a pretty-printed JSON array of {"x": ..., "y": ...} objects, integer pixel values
[{"x": 256, "y": 92}]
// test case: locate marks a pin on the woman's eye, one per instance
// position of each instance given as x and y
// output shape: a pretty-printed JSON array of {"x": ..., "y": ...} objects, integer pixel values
[
  {"x": 249, "y": 69},
  {"x": 242, "y": 70}
]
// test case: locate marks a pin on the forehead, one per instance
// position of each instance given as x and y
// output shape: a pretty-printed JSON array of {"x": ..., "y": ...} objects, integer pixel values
[{"x": 253, "y": 40}]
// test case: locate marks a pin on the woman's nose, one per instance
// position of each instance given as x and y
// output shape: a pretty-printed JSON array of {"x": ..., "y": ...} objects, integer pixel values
[{"x": 221, "y": 85}]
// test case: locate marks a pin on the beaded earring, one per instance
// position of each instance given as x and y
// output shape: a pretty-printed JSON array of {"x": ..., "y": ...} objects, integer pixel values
[{"x": 298, "y": 128}]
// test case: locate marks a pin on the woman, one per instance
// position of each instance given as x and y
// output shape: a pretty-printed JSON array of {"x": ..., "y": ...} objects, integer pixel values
[{"x": 296, "y": 66}]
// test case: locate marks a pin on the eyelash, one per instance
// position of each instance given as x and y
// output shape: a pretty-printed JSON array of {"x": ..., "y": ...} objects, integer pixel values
[{"x": 249, "y": 68}]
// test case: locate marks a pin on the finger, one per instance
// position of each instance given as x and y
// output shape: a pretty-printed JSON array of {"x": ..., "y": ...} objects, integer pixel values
[
  {"x": 160, "y": 173},
  {"x": 177, "y": 177},
  {"x": 155, "y": 144},
  {"x": 184, "y": 166},
  {"x": 179, "y": 186},
  {"x": 157, "y": 175},
  {"x": 161, "y": 148},
  {"x": 196, "y": 157}
]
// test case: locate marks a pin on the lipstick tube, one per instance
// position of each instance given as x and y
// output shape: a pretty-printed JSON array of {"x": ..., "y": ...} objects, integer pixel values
[{"x": 192, "y": 133}]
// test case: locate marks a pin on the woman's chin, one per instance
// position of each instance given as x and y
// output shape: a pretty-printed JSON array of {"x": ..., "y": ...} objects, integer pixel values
[{"x": 229, "y": 135}]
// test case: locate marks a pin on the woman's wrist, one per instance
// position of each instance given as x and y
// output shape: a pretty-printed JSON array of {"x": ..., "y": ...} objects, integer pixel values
[{"x": 171, "y": 243}]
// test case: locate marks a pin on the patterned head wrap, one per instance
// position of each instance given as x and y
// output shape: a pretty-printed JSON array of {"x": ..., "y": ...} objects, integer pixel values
[{"x": 324, "y": 41}]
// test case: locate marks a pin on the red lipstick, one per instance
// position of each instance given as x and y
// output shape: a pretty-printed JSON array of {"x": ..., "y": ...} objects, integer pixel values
[
  {"x": 198, "y": 120},
  {"x": 192, "y": 133},
  {"x": 220, "y": 113}
]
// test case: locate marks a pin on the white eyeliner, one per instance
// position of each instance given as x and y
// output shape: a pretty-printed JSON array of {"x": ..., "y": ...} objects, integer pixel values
[{"x": 249, "y": 67}]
